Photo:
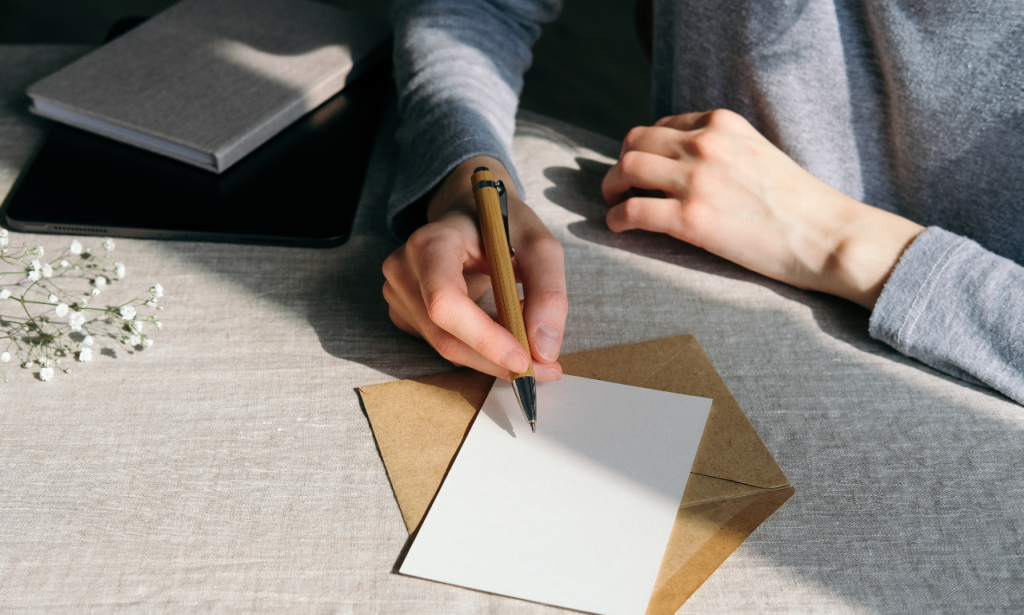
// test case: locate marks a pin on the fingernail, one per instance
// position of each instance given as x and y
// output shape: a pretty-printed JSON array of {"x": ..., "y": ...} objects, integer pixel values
[
  {"x": 513, "y": 361},
  {"x": 548, "y": 341}
]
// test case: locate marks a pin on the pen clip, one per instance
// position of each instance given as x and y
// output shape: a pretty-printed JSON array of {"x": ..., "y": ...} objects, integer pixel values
[{"x": 503, "y": 196}]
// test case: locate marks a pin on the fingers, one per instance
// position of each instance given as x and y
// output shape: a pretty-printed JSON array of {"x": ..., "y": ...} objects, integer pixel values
[
  {"x": 433, "y": 280},
  {"x": 541, "y": 265},
  {"x": 718, "y": 118},
  {"x": 644, "y": 170},
  {"x": 649, "y": 214},
  {"x": 660, "y": 140}
]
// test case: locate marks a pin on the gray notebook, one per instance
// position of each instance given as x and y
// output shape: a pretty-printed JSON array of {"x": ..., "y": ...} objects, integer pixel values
[{"x": 208, "y": 81}]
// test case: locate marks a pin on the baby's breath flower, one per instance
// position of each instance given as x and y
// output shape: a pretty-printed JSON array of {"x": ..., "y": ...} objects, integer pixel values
[
  {"x": 3, "y": 238},
  {"x": 119, "y": 270},
  {"x": 46, "y": 373},
  {"x": 94, "y": 292},
  {"x": 63, "y": 263},
  {"x": 52, "y": 298},
  {"x": 37, "y": 251},
  {"x": 157, "y": 290},
  {"x": 61, "y": 310},
  {"x": 88, "y": 341},
  {"x": 34, "y": 276},
  {"x": 47, "y": 270},
  {"x": 135, "y": 326},
  {"x": 76, "y": 248},
  {"x": 76, "y": 320},
  {"x": 34, "y": 265},
  {"x": 85, "y": 354},
  {"x": 134, "y": 340},
  {"x": 151, "y": 303},
  {"x": 99, "y": 282},
  {"x": 43, "y": 361},
  {"x": 26, "y": 364},
  {"x": 127, "y": 312},
  {"x": 5, "y": 294},
  {"x": 5, "y": 357},
  {"x": 146, "y": 342},
  {"x": 159, "y": 325},
  {"x": 108, "y": 244}
]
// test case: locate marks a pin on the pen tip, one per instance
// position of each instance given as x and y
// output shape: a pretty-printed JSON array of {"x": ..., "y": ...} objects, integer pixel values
[{"x": 533, "y": 426}]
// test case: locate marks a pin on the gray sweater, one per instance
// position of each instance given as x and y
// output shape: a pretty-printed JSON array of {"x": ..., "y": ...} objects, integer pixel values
[{"x": 914, "y": 108}]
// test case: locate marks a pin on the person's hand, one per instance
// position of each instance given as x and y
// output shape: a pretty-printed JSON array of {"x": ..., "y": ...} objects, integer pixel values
[
  {"x": 730, "y": 191},
  {"x": 434, "y": 280}
]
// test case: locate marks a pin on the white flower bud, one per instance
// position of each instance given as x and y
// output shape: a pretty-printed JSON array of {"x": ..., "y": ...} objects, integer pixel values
[
  {"x": 146, "y": 342},
  {"x": 99, "y": 282},
  {"x": 76, "y": 248},
  {"x": 88, "y": 341},
  {"x": 94, "y": 292},
  {"x": 108, "y": 244},
  {"x": 119, "y": 270},
  {"x": 85, "y": 354},
  {"x": 5, "y": 357},
  {"x": 5, "y": 294},
  {"x": 37, "y": 251},
  {"x": 52, "y": 298},
  {"x": 63, "y": 263},
  {"x": 157, "y": 290}
]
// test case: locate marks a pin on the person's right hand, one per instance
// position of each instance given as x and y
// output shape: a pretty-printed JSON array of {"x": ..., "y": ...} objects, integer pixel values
[{"x": 434, "y": 280}]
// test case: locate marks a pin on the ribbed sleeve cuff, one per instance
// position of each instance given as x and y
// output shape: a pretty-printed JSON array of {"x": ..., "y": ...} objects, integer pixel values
[{"x": 958, "y": 308}]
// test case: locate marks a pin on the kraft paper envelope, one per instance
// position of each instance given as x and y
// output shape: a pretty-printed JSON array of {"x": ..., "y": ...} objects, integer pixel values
[{"x": 734, "y": 485}]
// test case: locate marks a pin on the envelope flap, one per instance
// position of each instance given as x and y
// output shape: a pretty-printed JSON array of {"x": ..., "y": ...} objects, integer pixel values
[
  {"x": 419, "y": 425},
  {"x": 730, "y": 448}
]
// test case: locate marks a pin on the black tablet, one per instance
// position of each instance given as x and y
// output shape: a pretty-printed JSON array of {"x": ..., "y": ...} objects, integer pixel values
[{"x": 301, "y": 188}]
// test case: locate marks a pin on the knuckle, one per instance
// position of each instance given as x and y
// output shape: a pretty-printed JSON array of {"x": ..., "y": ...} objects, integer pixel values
[
  {"x": 420, "y": 239},
  {"x": 631, "y": 163},
  {"x": 446, "y": 345},
  {"x": 439, "y": 306},
  {"x": 705, "y": 145},
  {"x": 633, "y": 137},
  {"x": 723, "y": 118},
  {"x": 554, "y": 299},
  {"x": 391, "y": 266},
  {"x": 631, "y": 209},
  {"x": 547, "y": 247}
]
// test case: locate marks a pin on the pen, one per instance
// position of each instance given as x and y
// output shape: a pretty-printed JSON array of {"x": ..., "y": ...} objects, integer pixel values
[{"x": 492, "y": 209}]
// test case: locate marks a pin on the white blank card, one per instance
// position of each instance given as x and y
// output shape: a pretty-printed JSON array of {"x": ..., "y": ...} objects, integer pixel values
[{"x": 577, "y": 515}]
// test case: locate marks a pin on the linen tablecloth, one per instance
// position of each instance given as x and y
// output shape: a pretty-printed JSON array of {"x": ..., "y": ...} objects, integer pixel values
[{"x": 230, "y": 468}]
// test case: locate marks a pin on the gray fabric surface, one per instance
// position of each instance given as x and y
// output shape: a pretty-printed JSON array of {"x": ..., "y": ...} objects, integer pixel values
[
  {"x": 181, "y": 480},
  {"x": 918, "y": 112}
]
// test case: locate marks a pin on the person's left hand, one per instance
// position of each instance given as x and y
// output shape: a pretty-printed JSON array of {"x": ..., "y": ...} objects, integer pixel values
[{"x": 729, "y": 190}]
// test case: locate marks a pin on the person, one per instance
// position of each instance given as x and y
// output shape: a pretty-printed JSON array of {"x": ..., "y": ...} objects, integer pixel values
[{"x": 865, "y": 148}]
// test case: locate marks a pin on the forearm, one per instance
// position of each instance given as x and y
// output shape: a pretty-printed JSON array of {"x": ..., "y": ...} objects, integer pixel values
[{"x": 458, "y": 71}]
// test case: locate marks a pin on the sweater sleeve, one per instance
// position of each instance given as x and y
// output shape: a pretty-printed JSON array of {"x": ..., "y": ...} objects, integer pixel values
[
  {"x": 459, "y": 68},
  {"x": 959, "y": 308}
]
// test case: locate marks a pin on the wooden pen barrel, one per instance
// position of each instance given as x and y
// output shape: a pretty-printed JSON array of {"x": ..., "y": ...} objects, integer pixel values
[{"x": 503, "y": 278}]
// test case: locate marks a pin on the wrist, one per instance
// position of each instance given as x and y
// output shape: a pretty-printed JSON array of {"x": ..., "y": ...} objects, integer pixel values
[
  {"x": 455, "y": 192},
  {"x": 867, "y": 249}
]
